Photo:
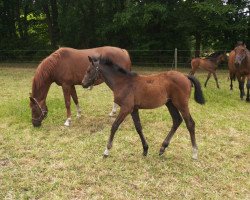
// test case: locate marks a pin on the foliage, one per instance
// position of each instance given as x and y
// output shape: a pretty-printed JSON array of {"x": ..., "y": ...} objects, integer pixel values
[{"x": 132, "y": 24}]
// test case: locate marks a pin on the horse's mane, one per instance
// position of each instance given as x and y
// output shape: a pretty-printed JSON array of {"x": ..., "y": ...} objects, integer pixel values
[
  {"x": 45, "y": 70},
  {"x": 214, "y": 55},
  {"x": 116, "y": 67}
]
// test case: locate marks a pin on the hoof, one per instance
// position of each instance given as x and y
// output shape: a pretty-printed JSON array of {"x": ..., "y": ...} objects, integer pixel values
[
  {"x": 78, "y": 115},
  {"x": 105, "y": 156},
  {"x": 67, "y": 122},
  {"x": 112, "y": 114},
  {"x": 161, "y": 151},
  {"x": 106, "y": 153},
  {"x": 90, "y": 87},
  {"x": 145, "y": 151},
  {"x": 195, "y": 154},
  {"x": 247, "y": 100}
]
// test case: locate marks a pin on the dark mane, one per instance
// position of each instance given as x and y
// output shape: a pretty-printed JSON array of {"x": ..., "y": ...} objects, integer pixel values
[
  {"x": 45, "y": 70},
  {"x": 214, "y": 55},
  {"x": 110, "y": 63}
]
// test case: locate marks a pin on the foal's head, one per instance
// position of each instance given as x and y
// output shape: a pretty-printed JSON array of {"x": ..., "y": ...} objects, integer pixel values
[
  {"x": 92, "y": 73},
  {"x": 38, "y": 112},
  {"x": 240, "y": 54}
]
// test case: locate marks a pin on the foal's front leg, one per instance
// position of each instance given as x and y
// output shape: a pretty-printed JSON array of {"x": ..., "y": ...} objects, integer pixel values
[
  {"x": 137, "y": 123},
  {"x": 122, "y": 114}
]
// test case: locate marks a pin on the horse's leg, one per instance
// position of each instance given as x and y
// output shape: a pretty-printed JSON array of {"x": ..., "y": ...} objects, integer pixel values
[
  {"x": 75, "y": 99},
  {"x": 231, "y": 83},
  {"x": 66, "y": 93},
  {"x": 191, "y": 128},
  {"x": 113, "y": 111},
  {"x": 241, "y": 88},
  {"x": 216, "y": 80},
  {"x": 121, "y": 116},
  {"x": 208, "y": 77},
  {"x": 177, "y": 119},
  {"x": 137, "y": 123},
  {"x": 248, "y": 88}
]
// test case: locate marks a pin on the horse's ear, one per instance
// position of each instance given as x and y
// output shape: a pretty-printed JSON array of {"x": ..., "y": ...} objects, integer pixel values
[
  {"x": 32, "y": 100},
  {"x": 90, "y": 59}
]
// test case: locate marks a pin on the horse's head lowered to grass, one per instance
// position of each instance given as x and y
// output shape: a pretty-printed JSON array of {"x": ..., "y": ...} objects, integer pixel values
[{"x": 38, "y": 112}]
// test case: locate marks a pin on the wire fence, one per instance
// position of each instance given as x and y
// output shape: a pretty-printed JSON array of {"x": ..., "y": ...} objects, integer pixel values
[{"x": 171, "y": 58}]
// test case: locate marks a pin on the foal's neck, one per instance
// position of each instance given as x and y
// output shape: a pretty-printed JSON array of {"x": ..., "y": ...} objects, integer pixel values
[{"x": 112, "y": 78}]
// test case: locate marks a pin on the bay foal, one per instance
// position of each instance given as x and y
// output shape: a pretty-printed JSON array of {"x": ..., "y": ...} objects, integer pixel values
[
  {"x": 133, "y": 92},
  {"x": 209, "y": 64}
]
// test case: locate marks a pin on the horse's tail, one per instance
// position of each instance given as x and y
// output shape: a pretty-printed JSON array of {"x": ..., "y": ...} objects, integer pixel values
[{"x": 198, "y": 95}]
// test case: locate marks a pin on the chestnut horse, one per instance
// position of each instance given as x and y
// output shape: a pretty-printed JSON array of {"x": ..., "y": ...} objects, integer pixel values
[
  {"x": 242, "y": 68},
  {"x": 66, "y": 67},
  {"x": 209, "y": 64},
  {"x": 133, "y": 92}
]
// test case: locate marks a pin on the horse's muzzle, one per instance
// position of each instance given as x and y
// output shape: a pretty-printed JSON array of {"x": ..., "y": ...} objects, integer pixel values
[{"x": 36, "y": 123}]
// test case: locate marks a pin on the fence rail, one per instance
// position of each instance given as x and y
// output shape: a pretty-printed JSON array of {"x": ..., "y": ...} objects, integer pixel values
[{"x": 169, "y": 58}]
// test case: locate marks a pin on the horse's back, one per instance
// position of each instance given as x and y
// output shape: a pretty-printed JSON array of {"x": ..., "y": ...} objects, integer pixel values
[
  {"x": 117, "y": 55},
  {"x": 73, "y": 63}
]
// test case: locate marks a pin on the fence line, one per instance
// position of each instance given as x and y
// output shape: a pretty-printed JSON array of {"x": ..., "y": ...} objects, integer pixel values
[{"x": 169, "y": 58}]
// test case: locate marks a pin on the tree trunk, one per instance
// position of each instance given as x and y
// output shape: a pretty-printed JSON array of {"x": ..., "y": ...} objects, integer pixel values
[
  {"x": 54, "y": 19},
  {"x": 45, "y": 7},
  {"x": 197, "y": 44}
]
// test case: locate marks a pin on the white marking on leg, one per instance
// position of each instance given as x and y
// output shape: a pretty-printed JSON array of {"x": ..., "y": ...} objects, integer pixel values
[
  {"x": 90, "y": 87},
  {"x": 114, "y": 109},
  {"x": 78, "y": 111},
  {"x": 195, "y": 153},
  {"x": 67, "y": 122},
  {"x": 106, "y": 152}
]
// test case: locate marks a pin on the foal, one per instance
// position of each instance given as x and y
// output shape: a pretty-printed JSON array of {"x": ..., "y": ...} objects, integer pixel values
[
  {"x": 133, "y": 92},
  {"x": 210, "y": 64}
]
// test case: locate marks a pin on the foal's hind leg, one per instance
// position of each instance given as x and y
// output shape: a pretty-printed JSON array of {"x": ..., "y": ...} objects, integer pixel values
[
  {"x": 137, "y": 123},
  {"x": 176, "y": 117},
  {"x": 75, "y": 99},
  {"x": 191, "y": 128},
  {"x": 208, "y": 77},
  {"x": 216, "y": 80}
]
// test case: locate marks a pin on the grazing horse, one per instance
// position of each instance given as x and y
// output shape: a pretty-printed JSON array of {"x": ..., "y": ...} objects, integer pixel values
[
  {"x": 66, "y": 67},
  {"x": 210, "y": 64},
  {"x": 242, "y": 68},
  {"x": 133, "y": 92}
]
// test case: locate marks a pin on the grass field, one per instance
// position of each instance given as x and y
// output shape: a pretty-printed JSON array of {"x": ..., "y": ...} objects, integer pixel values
[{"x": 57, "y": 162}]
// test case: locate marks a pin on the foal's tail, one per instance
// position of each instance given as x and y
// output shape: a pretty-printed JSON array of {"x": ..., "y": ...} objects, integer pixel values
[{"x": 198, "y": 95}]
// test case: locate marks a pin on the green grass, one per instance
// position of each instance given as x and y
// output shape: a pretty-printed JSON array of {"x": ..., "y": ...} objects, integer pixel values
[{"x": 56, "y": 162}]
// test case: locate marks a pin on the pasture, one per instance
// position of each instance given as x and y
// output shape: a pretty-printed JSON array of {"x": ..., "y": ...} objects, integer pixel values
[{"x": 58, "y": 162}]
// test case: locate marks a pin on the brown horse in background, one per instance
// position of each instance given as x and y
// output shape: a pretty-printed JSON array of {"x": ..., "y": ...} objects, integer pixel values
[
  {"x": 209, "y": 64},
  {"x": 133, "y": 92},
  {"x": 66, "y": 67},
  {"x": 241, "y": 58}
]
